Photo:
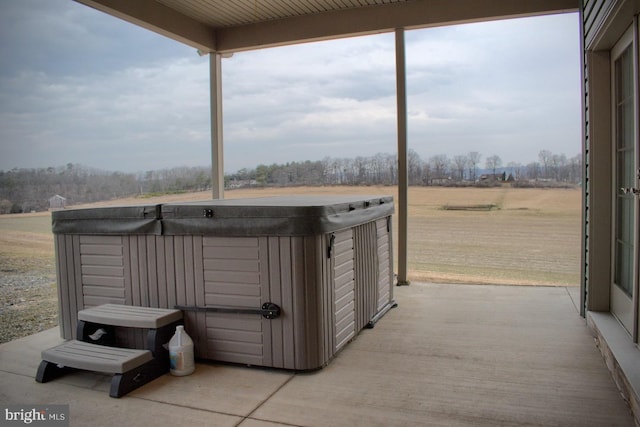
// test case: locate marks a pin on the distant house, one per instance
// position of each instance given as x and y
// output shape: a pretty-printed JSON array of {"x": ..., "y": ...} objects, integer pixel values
[
  {"x": 57, "y": 202},
  {"x": 243, "y": 183},
  {"x": 440, "y": 181},
  {"x": 493, "y": 177}
]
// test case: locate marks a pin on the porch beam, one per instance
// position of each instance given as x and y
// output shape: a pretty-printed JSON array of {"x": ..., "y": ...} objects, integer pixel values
[
  {"x": 161, "y": 19},
  {"x": 403, "y": 175},
  {"x": 217, "y": 152},
  {"x": 381, "y": 19}
]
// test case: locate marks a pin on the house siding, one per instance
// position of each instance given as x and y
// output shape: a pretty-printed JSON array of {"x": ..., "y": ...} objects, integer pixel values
[
  {"x": 603, "y": 23},
  {"x": 596, "y": 272},
  {"x": 594, "y": 13},
  {"x": 589, "y": 13},
  {"x": 584, "y": 272}
]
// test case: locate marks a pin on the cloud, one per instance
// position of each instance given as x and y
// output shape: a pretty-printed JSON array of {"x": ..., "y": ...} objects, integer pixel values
[
  {"x": 310, "y": 101},
  {"x": 508, "y": 88},
  {"x": 84, "y": 87},
  {"x": 65, "y": 38},
  {"x": 126, "y": 120},
  {"x": 87, "y": 88},
  {"x": 501, "y": 88}
]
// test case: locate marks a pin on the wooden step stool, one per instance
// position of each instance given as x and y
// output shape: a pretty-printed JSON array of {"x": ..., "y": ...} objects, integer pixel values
[{"x": 93, "y": 349}]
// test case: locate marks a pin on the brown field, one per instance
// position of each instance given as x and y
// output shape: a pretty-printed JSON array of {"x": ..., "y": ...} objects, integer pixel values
[{"x": 531, "y": 237}]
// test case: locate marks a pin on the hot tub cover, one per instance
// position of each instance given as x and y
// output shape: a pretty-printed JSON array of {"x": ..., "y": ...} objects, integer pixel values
[
  {"x": 265, "y": 216},
  {"x": 273, "y": 216},
  {"x": 113, "y": 220}
]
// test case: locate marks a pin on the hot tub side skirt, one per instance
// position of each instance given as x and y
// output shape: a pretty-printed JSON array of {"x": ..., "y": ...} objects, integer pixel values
[
  {"x": 244, "y": 273},
  {"x": 67, "y": 248},
  {"x": 373, "y": 268},
  {"x": 328, "y": 286},
  {"x": 384, "y": 263},
  {"x": 100, "y": 269}
]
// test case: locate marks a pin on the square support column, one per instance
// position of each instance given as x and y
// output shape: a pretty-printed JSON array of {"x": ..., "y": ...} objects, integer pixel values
[
  {"x": 403, "y": 176},
  {"x": 217, "y": 156}
]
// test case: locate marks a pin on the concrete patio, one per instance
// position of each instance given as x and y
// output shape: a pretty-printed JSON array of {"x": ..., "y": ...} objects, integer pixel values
[{"x": 448, "y": 355}]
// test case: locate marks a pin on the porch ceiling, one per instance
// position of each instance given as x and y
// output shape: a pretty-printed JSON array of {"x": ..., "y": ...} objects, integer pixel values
[{"x": 223, "y": 26}]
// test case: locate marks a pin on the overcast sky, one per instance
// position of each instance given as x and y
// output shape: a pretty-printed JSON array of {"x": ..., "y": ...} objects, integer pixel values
[{"x": 80, "y": 86}]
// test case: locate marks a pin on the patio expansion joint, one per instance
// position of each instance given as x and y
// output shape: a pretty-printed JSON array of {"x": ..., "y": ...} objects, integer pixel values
[
  {"x": 192, "y": 408},
  {"x": 161, "y": 402},
  {"x": 576, "y": 305},
  {"x": 92, "y": 388},
  {"x": 4, "y": 371},
  {"x": 265, "y": 400}
]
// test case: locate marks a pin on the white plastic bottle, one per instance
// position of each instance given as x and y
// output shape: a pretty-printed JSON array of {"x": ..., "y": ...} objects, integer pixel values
[{"x": 181, "y": 353}]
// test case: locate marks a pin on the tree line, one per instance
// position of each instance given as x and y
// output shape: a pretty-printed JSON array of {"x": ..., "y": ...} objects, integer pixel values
[
  {"x": 382, "y": 169},
  {"x": 26, "y": 190}
]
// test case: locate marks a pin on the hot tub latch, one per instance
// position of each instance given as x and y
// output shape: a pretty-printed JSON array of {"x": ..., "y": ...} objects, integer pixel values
[
  {"x": 332, "y": 240},
  {"x": 207, "y": 213},
  {"x": 269, "y": 310}
]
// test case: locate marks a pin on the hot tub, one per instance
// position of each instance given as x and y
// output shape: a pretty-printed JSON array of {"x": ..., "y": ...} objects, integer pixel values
[{"x": 281, "y": 282}]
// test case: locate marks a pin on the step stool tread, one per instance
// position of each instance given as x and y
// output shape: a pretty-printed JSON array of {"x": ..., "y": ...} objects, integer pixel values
[
  {"x": 130, "y": 316},
  {"x": 94, "y": 357}
]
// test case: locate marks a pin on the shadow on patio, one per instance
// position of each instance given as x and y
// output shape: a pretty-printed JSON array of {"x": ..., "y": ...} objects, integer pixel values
[{"x": 448, "y": 355}]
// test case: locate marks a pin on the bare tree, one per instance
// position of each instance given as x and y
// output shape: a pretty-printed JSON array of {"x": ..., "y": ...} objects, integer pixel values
[
  {"x": 575, "y": 168},
  {"x": 474, "y": 160},
  {"x": 516, "y": 169},
  {"x": 392, "y": 169},
  {"x": 5, "y": 206},
  {"x": 460, "y": 163},
  {"x": 533, "y": 170},
  {"x": 493, "y": 163},
  {"x": 559, "y": 164},
  {"x": 415, "y": 167},
  {"x": 440, "y": 166},
  {"x": 377, "y": 167},
  {"x": 360, "y": 170},
  {"x": 545, "y": 157},
  {"x": 427, "y": 173}
]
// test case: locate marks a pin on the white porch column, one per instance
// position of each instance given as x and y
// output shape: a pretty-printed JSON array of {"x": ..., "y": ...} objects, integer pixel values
[
  {"x": 217, "y": 158},
  {"x": 403, "y": 176}
]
